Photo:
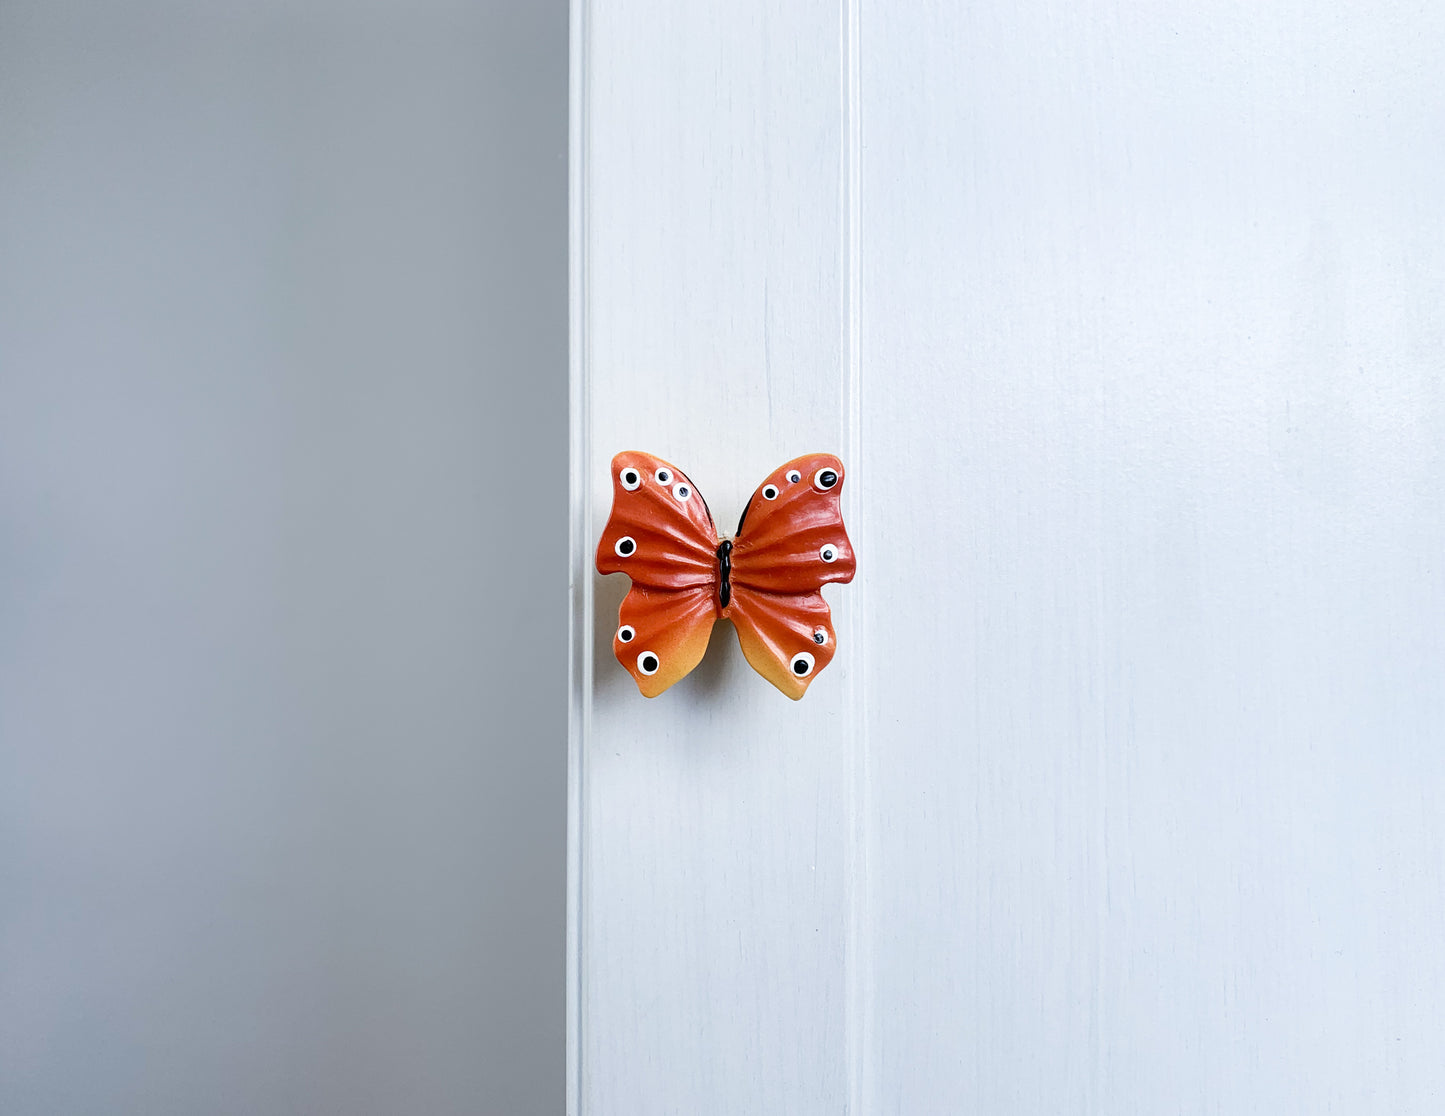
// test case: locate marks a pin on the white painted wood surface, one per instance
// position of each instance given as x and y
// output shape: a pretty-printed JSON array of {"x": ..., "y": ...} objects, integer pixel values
[{"x": 1124, "y": 792}]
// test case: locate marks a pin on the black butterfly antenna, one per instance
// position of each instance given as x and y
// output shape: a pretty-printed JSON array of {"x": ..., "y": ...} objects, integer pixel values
[
  {"x": 743, "y": 518},
  {"x": 711, "y": 522}
]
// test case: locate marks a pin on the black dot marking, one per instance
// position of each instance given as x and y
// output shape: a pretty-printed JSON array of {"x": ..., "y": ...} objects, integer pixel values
[
  {"x": 625, "y": 546},
  {"x": 820, "y": 636},
  {"x": 664, "y": 476},
  {"x": 648, "y": 663},
  {"x": 829, "y": 553},
  {"x": 625, "y": 633},
  {"x": 794, "y": 476},
  {"x": 827, "y": 478},
  {"x": 631, "y": 479},
  {"x": 802, "y": 664},
  {"x": 770, "y": 492}
]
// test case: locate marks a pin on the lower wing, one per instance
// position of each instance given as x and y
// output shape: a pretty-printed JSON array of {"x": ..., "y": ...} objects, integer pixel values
[
  {"x": 662, "y": 634},
  {"x": 788, "y": 638}
]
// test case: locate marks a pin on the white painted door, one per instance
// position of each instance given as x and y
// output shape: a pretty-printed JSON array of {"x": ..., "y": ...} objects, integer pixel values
[{"x": 1124, "y": 792}]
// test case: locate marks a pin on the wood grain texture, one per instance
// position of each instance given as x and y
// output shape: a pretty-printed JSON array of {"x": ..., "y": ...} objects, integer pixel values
[{"x": 1122, "y": 793}]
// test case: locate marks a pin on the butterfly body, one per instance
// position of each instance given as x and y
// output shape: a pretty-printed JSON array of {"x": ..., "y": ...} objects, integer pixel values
[{"x": 766, "y": 578}]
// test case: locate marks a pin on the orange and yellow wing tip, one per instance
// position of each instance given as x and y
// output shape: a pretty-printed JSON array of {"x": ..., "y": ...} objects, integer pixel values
[
  {"x": 774, "y": 671},
  {"x": 678, "y": 656}
]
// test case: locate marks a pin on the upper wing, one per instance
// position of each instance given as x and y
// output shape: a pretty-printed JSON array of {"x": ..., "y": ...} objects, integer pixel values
[
  {"x": 661, "y": 535},
  {"x": 660, "y": 532},
  {"x": 791, "y": 537},
  {"x": 790, "y": 543}
]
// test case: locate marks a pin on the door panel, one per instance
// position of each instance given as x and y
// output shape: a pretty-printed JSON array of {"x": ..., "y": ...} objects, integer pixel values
[
  {"x": 1120, "y": 796},
  {"x": 710, "y": 873},
  {"x": 1151, "y": 360}
]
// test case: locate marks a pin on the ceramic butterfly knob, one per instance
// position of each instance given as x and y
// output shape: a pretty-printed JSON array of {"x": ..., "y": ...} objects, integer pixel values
[{"x": 766, "y": 578}]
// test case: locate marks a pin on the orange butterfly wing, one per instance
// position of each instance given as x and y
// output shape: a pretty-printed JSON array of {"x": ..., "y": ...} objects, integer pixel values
[
  {"x": 790, "y": 543},
  {"x": 661, "y": 535}
]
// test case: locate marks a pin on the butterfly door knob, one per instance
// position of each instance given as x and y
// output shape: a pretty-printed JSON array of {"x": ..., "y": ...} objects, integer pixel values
[{"x": 766, "y": 578}]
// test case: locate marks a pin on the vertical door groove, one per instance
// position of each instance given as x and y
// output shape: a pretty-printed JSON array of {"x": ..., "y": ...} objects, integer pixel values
[{"x": 858, "y": 959}]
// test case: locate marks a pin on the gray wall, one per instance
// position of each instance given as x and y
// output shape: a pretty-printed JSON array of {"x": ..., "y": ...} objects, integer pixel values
[{"x": 282, "y": 556}]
